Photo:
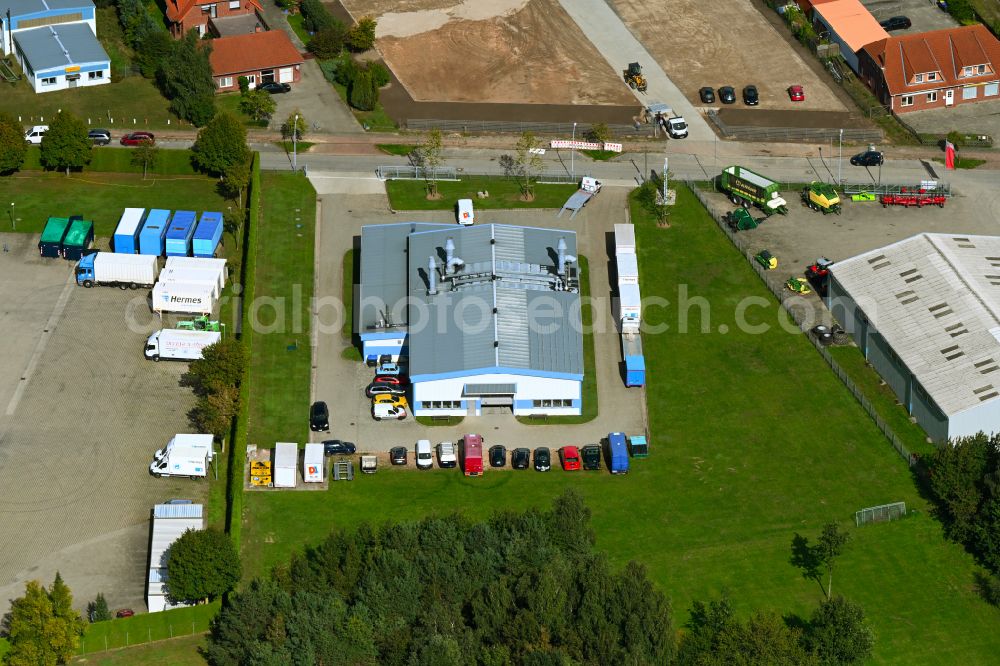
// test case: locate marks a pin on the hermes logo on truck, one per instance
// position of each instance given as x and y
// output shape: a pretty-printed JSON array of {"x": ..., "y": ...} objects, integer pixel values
[{"x": 183, "y": 300}]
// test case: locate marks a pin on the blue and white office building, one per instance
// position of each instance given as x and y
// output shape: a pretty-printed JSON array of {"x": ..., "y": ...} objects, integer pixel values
[{"x": 486, "y": 316}]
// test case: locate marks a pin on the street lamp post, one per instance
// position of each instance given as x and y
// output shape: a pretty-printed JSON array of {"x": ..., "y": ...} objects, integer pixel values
[
  {"x": 840, "y": 161},
  {"x": 572, "y": 155},
  {"x": 13, "y": 224},
  {"x": 295, "y": 135}
]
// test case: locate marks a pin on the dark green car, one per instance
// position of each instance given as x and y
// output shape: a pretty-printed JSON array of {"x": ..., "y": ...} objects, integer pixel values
[{"x": 591, "y": 455}]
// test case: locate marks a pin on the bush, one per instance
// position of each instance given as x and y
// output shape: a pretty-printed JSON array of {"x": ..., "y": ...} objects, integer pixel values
[
  {"x": 244, "y": 84},
  {"x": 315, "y": 16},
  {"x": 380, "y": 74},
  {"x": 361, "y": 37},
  {"x": 364, "y": 93},
  {"x": 328, "y": 43},
  {"x": 346, "y": 71},
  {"x": 956, "y": 138}
]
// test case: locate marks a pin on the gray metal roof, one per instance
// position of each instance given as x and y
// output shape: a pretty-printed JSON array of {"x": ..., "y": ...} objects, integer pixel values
[
  {"x": 59, "y": 45},
  {"x": 505, "y": 307},
  {"x": 23, "y": 7},
  {"x": 383, "y": 270},
  {"x": 177, "y": 511},
  {"x": 936, "y": 299}
]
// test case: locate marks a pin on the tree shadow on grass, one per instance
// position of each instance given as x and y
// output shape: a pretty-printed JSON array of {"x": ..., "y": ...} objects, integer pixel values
[{"x": 807, "y": 558}]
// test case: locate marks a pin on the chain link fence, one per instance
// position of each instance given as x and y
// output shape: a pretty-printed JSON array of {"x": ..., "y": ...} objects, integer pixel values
[
  {"x": 804, "y": 318},
  {"x": 883, "y": 513}
]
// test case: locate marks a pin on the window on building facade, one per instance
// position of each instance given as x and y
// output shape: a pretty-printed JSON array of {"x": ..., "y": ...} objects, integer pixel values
[
  {"x": 906, "y": 100},
  {"x": 981, "y": 69},
  {"x": 919, "y": 78},
  {"x": 552, "y": 403},
  {"x": 235, "y": 4},
  {"x": 99, "y": 74},
  {"x": 225, "y": 82},
  {"x": 49, "y": 81},
  {"x": 931, "y": 97},
  {"x": 967, "y": 71},
  {"x": 932, "y": 76}
]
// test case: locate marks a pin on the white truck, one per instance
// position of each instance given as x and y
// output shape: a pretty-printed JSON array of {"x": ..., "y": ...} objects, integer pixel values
[
  {"x": 182, "y": 460},
  {"x": 110, "y": 269},
  {"x": 199, "y": 441},
  {"x": 674, "y": 126},
  {"x": 629, "y": 307},
  {"x": 624, "y": 239},
  {"x": 183, "y": 297},
  {"x": 185, "y": 275},
  {"x": 178, "y": 345}
]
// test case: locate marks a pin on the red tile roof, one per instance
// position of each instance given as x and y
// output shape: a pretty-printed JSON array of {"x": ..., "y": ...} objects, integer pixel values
[
  {"x": 177, "y": 10},
  {"x": 247, "y": 53},
  {"x": 943, "y": 51}
]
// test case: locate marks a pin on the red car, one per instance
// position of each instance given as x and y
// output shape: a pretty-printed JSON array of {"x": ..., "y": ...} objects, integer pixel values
[
  {"x": 138, "y": 139},
  {"x": 570, "y": 457},
  {"x": 393, "y": 380},
  {"x": 796, "y": 93},
  {"x": 125, "y": 612}
]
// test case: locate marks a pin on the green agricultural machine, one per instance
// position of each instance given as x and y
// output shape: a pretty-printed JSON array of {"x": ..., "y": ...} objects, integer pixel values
[
  {"x": 741, "y": 220},
  {"x": 744, "y": 187},
  {"x": 822, "y": 197}
]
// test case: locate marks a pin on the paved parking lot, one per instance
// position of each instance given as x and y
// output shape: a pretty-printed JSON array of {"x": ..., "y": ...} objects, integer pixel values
[
  {"x": 341, "y": 382},
  {"x": 979, "y": 118},
  {"x": 81, "y": 412},
  {"x": 923, "y": 14}
]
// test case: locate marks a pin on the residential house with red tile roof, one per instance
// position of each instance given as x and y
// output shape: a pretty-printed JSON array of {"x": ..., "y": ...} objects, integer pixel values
[
  {"x": 183, "y": 15},
  {"x": 262, "y": 57},
  {"x": 934, "y": 69}
]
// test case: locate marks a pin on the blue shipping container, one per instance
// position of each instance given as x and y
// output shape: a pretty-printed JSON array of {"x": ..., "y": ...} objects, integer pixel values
[
  {"x": 179, "y": 233},
  {"x": 618, "y": 453},
  {"x": 126, "y": 240},
  {"x": 207, "y": 235},
  {"x": 635, "y": 363},
  {"x": 153, "y": 232}
]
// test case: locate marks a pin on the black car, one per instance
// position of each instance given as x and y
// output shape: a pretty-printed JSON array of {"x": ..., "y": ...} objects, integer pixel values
[
  {"x": 397, "y": 455},
  {"x": 274, "y": 87},
  {"x": 750, "y": 96},
  {"x": 520, "y": 458},
  {"x": 335, "y": 447},
  {"x": 498, "y": 456},
  {"x": 727, "y": 95},
  {"x": 319, "y": 417},
  {"x": 384, "y": 389},
  {"x": 100, "y": 137},
  {"x": 895, "y": 23},
  {"x": 707, "y": 95},
  {"x": 591, "y": 455},
  {"x": 543, "y": 459},
  {"x": 869, "y": 158}
]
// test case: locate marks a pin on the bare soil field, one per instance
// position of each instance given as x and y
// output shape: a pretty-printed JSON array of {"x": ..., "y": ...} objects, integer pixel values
[
  {"x": 491, "y": 51},
  {"x": 727, "y": 42}
]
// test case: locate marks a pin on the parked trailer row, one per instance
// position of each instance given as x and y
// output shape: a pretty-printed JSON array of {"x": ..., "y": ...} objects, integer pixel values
[{"x": 158, "y": 232}]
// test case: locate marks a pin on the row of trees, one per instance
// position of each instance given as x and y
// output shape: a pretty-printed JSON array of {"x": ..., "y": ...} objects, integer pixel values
[
  {"x": 42, "y": 627},
  {"x": 215, "y": 379},
  {"x": 964, "y": 480}
]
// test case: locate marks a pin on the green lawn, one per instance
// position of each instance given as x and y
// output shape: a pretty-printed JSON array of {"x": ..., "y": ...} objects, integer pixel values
[
  {"x": 119, "y": 160},
  {"x": 147, "y": 627},
  {"x": 962, "y": 162},
  {"x": 504, "y": 193},
  {"x": 281, "y": 361},
  {"x": 600, "y": 155},
  {"x": 589, "y": 389},
  {"x": 295, "y": 20},
  {"x": 231, "y": 102},
  {"x": 753, "y": 440},
  {"x": 398, "y": 149},
  {"x": 175, "y": 652},
  {"x": 100, "y": 197}
]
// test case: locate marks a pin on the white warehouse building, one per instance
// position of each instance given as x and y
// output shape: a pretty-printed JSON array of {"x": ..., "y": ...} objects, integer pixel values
[
  {"x": 486, "y": 315},
  {"x": 926, "y": 314},
  {"x": 170, "y": 521}
]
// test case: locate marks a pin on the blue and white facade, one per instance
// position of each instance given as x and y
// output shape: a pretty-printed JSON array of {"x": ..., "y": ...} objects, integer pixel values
[
  {"x": 485, "y": 316},
  {"x": 55, "y": 42}
]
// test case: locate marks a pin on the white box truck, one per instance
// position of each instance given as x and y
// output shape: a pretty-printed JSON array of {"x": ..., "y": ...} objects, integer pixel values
[
  {"x": 199, "y": 441},
  {"x": 183, "y": 275},
  {"x": 624, "y": 239},
  {"x": 628, "y": 269},
  {"x": 176, "y": 345},
  {"x": 182, "y": 461},
  {"x": 117, "y": 270},
  {"x": 313, "y": 463},
  {"x": 286, "y": 458},
  {"x": 201, "y": 263},
  {"x": 183, "y": 297},
  {"x": 629, "y": 307},
  {"x": 466, "y": 214}
]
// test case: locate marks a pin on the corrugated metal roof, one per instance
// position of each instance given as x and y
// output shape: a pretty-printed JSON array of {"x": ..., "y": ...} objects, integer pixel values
[
  {"x": 24, "y": 7},
  {"x": 936, "y": 299},
  {"x": 60, "y": 45},
  {"x": 178, "y": 511}
]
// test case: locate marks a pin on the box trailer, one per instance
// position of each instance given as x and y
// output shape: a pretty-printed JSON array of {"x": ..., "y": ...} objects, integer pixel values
[
  {"x": 152, "y": 238},
  {"x": 79, "y": 238},
  {"x": 472, "y": 455},
  {"x": 628, "y": 269},
  {"x": 745, "y": 187},
  {"x": 126, "y": 238},
  {"x": 179, "y": 345},
  {"x": 286, "y": 458},
  {"x": 629, "y": 307},
  {"x": 202, "y": 263},
  {"x": 207, "y": 235},
  {"x": 635, "y": 362},
  {"x": 617, "y": 453},
  {"x": 179, "y": 233},
  {"x": 182, "y": 461},
  {"x": 208, "y": 277},
  {"x": 183, "y": 297},
  {"x": 198, "y": 441},
  {"x": 51, "y": 242},
  {"x": 314, "y": 463},
  {"x": 108, "y": 269},
  {"x": 624, "y": 239}
]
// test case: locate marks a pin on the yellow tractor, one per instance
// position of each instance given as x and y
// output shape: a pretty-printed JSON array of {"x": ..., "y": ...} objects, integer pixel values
[{"x": 634, "y": 78}]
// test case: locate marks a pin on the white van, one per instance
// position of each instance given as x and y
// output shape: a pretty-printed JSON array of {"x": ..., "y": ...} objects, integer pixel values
[
  {"x": 35, "y": 134},
  {"x": 425, "y": 459},
  {"x": 466, "y": 216},
  {"x": 387, "y": 410},
  {"x": 446, "y": 455}
]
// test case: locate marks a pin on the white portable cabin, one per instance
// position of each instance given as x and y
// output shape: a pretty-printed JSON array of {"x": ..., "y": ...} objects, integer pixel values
[
  {"x": 314, "y": 463},
  {"x": 628, "y": 269},
  {"x": 286, "y": 458},
  {"x": 206, "y": 276},
  {"x": 201, "y": 263},
  {"x": 183, "y": 297},
  {"x": 624, "y": 239}
]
